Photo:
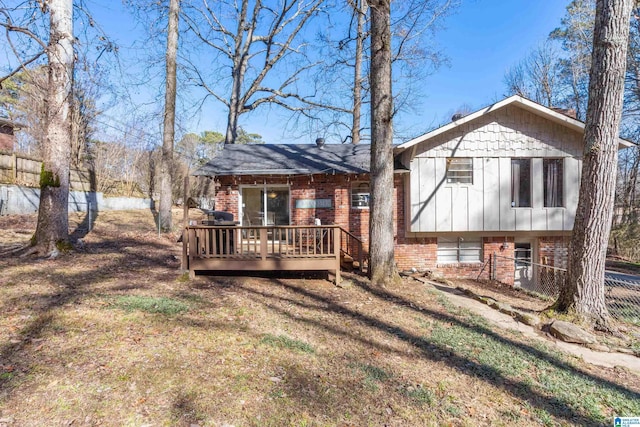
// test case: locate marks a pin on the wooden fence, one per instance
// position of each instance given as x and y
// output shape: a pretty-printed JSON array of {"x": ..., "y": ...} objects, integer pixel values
[{"x": 22, "y": 170}]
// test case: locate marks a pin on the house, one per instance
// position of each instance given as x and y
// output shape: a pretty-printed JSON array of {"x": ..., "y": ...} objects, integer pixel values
[
  {"x": 7, "y": 136},
  {"x": 498, "y": 184}
]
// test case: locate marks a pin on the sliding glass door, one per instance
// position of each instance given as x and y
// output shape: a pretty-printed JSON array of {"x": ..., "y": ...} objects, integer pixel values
[{"x": 266, "y": 205}]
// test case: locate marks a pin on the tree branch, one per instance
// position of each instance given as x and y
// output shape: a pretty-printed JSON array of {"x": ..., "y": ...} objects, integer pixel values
[{"x": 23, "y": 66}]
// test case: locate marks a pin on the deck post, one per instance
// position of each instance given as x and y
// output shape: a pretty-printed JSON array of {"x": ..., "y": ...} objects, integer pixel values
[
  {"x": 185, "y": 256},
  {"x": 185, "y": 224},
  {"x": 263, "y": 243},
  {"x": 336, "y": 251}
]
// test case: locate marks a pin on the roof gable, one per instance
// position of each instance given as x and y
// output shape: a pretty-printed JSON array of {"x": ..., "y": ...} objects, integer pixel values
[{"x": 514, "y": 100}]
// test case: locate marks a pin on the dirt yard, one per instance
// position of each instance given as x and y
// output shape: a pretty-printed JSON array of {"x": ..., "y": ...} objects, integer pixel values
[{"x": 115, "y": 334}]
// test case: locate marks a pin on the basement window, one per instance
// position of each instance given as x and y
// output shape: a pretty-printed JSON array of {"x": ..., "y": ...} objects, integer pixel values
[{"x": 452, "y": 250}]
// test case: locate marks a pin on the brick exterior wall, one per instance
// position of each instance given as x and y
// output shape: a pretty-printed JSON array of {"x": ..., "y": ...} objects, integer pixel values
[
  {"x": 422, "y": 254},
  {"x": 6, "y": 138},
  {"x": 503, "y": 248},
  {"x": 410, "y": 252},
  {"x": 334, "y": 187},
  {"x": 553, "y": 251}
]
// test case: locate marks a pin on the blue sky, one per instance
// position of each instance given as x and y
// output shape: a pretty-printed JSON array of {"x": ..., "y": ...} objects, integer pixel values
[{"x": 482, "y": 39}]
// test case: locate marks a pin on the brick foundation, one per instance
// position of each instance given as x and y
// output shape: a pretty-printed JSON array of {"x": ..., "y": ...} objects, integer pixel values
[{"x": 553, "y": 251}]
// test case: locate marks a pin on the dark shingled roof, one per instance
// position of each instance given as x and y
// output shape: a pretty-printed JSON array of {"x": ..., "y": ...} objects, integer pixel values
[{"x": 288, "y": 159}]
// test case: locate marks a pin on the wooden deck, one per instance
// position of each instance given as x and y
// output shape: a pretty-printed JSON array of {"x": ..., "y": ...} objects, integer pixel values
[{"x": 265, "y": 248}]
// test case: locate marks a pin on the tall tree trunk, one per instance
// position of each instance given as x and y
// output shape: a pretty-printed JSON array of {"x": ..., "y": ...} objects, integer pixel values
[
  {"x": 382, "y": 267},
  {"x": 53, "y": 212},
  {"x": 166, "y": 197},
  {"x": 234, "y": 107},
  {"x": 584, "y": 290},
  {"x": 360, "y": 8},
  {"x": 235, "y": 100}
]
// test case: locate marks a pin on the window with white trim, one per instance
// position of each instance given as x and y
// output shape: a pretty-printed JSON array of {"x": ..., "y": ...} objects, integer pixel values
[
  {"x": 459, "y": 249},
  {"x": 360, "y": 195},
  {"x": 459, "y": 170}
]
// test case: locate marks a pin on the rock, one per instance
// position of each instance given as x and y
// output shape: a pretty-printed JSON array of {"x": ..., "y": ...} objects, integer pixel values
[
  {"x": 502, "y": 307},
  {"x": 569, "y": 332},
  {"x": 506, "y": 309},
  {"x": 599, "y": 347},
  {"x": 527, "y": 318},
  {"x": 625, "y": 350},
  {"x": 345, "y": 284},
  {"x": 486, "y": 300}
]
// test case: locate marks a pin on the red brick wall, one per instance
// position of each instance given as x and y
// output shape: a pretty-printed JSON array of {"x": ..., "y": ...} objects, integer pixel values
[
  {"x": 421, "y": 253},
  {"x": 6, "y": 140},
  {"x": 503, "y": 248},
  {"x": 552, "y": 250},
  {"x": 334, "y": 187}
]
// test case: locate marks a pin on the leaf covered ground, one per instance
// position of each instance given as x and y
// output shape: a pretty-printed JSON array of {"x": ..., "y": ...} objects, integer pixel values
[{"x": 115, "y": 334}]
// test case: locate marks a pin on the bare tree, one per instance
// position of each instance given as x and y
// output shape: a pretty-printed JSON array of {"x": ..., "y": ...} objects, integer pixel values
[
  {"x": 584, "y": 290},
  {"x": 52, "y": 229},
  {"x": 344, "y": 71},
  {"x": 262, "y": 46},
  {"x": 575, "y": 34},
  {"x": 166, "y": 197},
  {"x": 360, "y": 9},
  {"x": 382, "y": 267},
  {"x": 22, "y": 99},
  {"x": 537, "y": 77}
]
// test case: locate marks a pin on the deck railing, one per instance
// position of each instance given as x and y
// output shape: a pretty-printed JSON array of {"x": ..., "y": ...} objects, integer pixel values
[
  {"x": 231, "y": 248},
  {"x": 352, "y": 246}
]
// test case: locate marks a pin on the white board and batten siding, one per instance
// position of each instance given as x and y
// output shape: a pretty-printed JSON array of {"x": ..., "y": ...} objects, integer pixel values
[{"x": 485, "y": 206}]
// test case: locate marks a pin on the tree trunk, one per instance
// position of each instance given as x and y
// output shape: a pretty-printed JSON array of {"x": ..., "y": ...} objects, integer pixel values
[
  {"x": 234, "y": 108},
  {"x": 382, "y": 267},
  {"x": 166, "y": 196},
  {"x": 584, "y": 290},
  {"x": 360, "y": 8},
  {"x": 53, "y": 212},
  {"x": 235, "y": 99}
]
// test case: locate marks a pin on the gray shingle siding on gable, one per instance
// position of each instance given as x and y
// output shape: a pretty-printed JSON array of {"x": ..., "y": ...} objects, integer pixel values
[{"x": 288, "y": 159}]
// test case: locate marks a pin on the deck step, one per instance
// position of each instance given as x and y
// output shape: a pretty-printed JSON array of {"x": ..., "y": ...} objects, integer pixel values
[{"x": 346, "y": 262}]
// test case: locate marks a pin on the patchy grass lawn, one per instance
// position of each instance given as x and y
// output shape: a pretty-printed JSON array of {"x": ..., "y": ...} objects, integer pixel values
[{"x": 114, "y": 334}]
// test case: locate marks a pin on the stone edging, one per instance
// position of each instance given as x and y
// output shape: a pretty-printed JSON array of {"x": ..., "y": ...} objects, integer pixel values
[
  {"x": 520, "y": 316},
  {"x": 535, "y": 322}
]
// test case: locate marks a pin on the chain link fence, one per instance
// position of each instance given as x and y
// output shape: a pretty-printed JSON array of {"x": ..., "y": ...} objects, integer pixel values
[{"x": 622, "y": 292}]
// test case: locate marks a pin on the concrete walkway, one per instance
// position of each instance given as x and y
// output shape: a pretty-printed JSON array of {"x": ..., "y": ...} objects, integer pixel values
[{"x": 504, "y": 321}]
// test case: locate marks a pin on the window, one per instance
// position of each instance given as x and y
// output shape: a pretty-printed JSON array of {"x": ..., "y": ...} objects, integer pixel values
[
  {"x": 520, "y": 183},
  {"x": 459, "y": 249},
  {"x": 360, "y": 195},
  {"x": 459, "y": 170},
  {"x": 553, "y": 183}
]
